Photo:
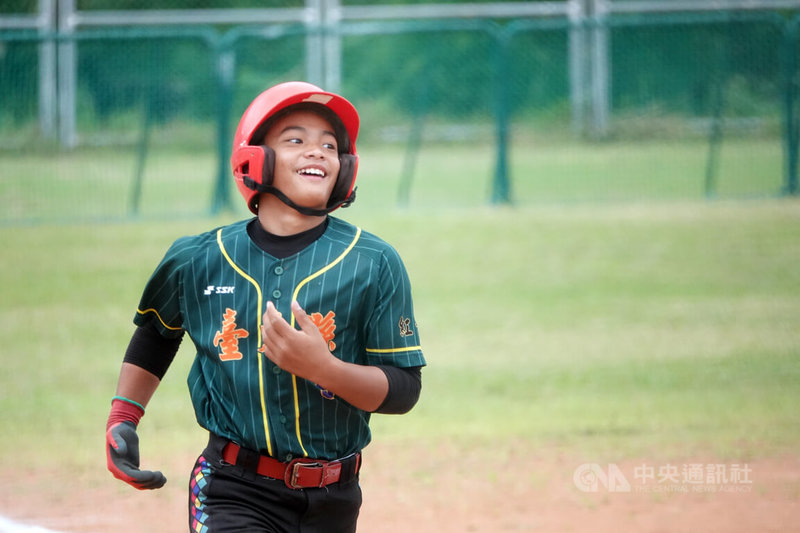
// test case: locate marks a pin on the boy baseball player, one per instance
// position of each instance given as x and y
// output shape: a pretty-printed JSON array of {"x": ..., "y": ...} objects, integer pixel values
[{"x": 303, "y": 325}]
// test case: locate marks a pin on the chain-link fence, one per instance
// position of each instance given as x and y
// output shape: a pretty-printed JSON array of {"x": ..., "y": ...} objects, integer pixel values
[
  {"x": 455, "y": 112},
  {"x": 697, "y": 106}
]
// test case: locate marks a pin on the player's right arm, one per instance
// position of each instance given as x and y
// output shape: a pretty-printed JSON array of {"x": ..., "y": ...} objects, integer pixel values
[
  {"x": 134, "y": 390},
  {"x": 146, "y": 361},
  {"x": 150, "y": 352},
  {"x": 136, "y": 384}
]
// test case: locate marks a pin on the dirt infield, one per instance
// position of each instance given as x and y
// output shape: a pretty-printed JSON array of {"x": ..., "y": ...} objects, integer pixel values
[{"x": 410, "y": 490}]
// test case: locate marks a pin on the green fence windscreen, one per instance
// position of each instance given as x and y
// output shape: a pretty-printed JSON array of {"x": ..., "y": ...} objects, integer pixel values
[{"x": 454, "y": 113}]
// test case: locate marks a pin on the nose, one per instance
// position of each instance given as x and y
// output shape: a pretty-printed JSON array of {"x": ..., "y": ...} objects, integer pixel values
[{"x": 315, "y": 150}]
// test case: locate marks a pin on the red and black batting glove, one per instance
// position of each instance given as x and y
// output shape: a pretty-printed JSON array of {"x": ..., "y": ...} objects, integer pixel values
[{"x": 122, "y": 446}]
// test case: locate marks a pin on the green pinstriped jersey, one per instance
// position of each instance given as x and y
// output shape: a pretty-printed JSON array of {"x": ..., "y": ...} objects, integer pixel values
[{"x": 215, "y": 286}]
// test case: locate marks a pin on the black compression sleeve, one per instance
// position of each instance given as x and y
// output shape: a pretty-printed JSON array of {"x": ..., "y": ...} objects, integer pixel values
[
  {"x": 405, "y": 385},
  {"x": 151, "y": 351}
]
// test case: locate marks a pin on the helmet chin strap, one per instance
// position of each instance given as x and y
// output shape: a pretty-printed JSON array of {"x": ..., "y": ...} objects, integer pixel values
[{"x": 308, "y": 211}]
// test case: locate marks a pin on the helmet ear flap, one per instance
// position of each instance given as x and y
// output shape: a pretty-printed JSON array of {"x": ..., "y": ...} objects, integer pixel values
[
  {"x": 255, "y": 165},
  {"x": 343, "y": 192},
  {"x": 253, "y": 169}
]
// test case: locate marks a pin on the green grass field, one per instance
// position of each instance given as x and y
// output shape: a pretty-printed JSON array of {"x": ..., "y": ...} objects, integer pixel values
[
  {"x": 612, "y": 313},
  {"x": 609, "y": 330}
]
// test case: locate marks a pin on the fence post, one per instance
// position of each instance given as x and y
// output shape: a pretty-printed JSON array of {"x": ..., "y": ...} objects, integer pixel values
[
  {"x": 600, "y": 68},
  {"x": 47, "y": 70},
  {"x": 419, "y": 112},
  {"x": 790, "y": 119},
  {"x": 332, "y": 46},
  {"x": 501, "y": 185},
  {"x": 67, "y": 73},
  {"x": 719, "y": 86},
  {"x": 577, "y": 64},
  {"x": 315, "y": 70},
  {"x": 226, "y": 73}
]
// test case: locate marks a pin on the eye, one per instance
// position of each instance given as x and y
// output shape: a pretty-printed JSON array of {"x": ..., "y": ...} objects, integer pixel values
[
  {"x": 330, "y": 146},
  {"x": 294, "y": 140}
]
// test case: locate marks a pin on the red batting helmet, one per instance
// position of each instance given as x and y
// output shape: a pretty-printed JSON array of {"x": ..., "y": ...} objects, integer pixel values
[{"x": 253, "y": 164}]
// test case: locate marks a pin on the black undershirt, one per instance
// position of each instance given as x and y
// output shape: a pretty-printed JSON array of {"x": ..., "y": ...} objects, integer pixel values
[
  {"x": 283, "y": 246},
  {"x": 149, "y": 350}
]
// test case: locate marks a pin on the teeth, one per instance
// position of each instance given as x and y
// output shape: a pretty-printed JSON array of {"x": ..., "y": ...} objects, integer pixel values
[{"x": 312, "y": 171}]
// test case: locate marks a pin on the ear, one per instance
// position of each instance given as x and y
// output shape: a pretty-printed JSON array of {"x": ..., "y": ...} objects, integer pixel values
[{"x": 342, "y": 191}]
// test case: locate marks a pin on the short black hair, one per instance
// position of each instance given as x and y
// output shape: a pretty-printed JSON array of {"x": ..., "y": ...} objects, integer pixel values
[{"x": 342, "y": 138}]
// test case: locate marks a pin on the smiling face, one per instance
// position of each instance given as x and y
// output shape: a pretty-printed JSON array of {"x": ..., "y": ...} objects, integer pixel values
[{"x": 306, "y": 157}]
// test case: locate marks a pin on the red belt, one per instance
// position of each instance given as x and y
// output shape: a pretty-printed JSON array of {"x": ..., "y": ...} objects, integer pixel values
[{"x": 300, "y": 473}]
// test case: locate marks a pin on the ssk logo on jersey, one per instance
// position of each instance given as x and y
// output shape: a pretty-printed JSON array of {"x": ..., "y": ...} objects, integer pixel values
[
  {"x": 227, "y": 339},
  {"x": 211, "y": 289}
]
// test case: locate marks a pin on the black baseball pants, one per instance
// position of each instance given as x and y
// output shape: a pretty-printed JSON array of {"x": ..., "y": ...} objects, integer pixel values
[{"x": 224, "y": 498}]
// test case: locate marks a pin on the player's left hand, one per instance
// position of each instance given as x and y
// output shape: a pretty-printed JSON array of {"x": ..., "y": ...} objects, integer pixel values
[{"x": 302, "y": 352}]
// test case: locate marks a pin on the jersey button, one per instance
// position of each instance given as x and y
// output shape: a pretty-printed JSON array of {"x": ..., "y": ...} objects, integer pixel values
[
  {"x": 276, "y": 294},
  {"x": 276, "y": 370},
  {"x": 278, "y": 270},
  {"x": 283, "y": 419}
]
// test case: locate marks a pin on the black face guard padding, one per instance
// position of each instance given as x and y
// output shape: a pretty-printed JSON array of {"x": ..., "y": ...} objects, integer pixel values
[{"x": 339, "y": 198}]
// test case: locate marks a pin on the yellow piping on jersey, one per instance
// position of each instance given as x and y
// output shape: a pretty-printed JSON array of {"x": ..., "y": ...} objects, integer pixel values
[
  {"x": 292, "y": 323},
  {"x": 261, "y": 340},
  {"x": 393, "y": 350},
  {"x": 151, "y": 310}
]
